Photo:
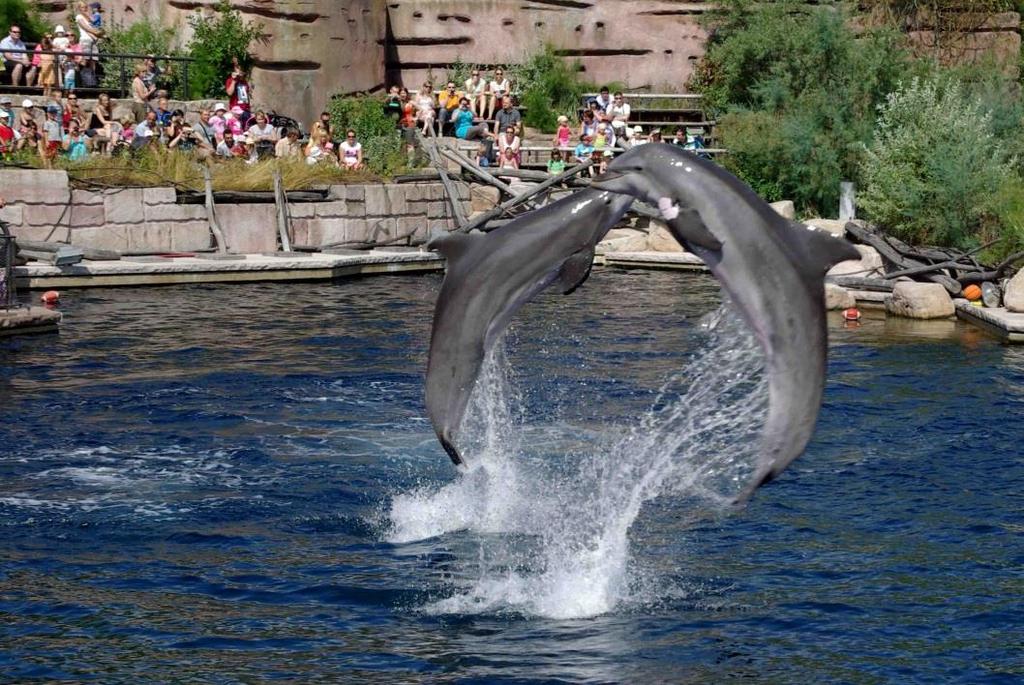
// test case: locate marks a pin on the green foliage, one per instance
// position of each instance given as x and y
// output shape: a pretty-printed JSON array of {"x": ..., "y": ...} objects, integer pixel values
[
  {"x": 549, "y": 86},
  {"x": 216, "y": 41},
  {"x": 933, "y": 172},
  {"x": 142, "y": 37},
  {"x": 25, "y": 15},
  {"x": 796, "y": 92},
  {"x": 383, "y": 152},
  {"x": 1008, "y": 205}
]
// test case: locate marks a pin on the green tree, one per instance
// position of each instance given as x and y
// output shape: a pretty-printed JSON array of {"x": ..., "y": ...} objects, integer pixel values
[
  {"x": 935, "y": 173},
  {"x": 25, "y": 15},
  {"x": 216, "y": 41}
]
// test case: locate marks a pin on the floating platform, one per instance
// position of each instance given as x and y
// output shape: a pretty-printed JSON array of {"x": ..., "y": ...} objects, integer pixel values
[
  {"x": 291, "y": 266},
  {"x": 24, "y": 320},
  {"x": 654, "y": 260},
  {"x": 1006, "y": 325}
]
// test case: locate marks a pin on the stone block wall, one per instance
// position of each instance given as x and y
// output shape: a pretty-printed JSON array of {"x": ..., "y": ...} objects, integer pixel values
[{"x": 42, "y": 206}]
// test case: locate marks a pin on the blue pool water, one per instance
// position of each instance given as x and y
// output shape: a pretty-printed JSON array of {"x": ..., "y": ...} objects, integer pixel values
[{"x": 233, "y": 484}]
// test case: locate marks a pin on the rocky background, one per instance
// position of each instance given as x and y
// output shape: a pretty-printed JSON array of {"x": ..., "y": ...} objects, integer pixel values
[{"x": 317, "y": 48}]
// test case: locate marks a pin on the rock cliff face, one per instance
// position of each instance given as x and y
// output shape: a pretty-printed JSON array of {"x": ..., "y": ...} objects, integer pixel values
[{"x": 640, "y": 43}]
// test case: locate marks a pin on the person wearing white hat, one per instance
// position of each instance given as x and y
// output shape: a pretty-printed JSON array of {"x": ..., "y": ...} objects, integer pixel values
[
  {"x": 27, "y": 116},
  {"x": 5, "y": 106},
  {"x": 218, "y": 122}
]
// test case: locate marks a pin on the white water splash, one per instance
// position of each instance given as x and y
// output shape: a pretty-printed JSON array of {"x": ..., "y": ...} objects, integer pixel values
[{"x": 554, "y": 532}]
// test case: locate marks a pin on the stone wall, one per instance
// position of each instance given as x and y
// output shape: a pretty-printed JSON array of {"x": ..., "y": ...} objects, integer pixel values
[{"x": 42, "y": 206}]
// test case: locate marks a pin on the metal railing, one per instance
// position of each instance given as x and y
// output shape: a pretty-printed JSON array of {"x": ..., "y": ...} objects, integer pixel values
[
  {"x": 8, "y": 292},
  {"x": 123, "y": 69}
]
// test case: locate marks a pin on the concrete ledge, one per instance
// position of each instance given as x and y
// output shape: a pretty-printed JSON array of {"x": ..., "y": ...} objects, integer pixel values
[
  {"x": 1006, "y": 325},
  {"x": 28, "y": 320},
  {"x": 655, "y": 260},
  {"x": 253, "y": 268}
]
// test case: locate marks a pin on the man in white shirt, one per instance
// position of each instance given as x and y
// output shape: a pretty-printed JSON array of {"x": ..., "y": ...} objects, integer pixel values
[
  {"x": 619, "y": 109},
  {"x": 16, "y": 64}
]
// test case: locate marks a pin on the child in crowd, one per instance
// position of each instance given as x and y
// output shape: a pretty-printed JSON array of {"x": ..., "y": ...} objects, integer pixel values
[
  {"x": 564, "y": 134},
  {"x": 96, "y": 18},
  {"x": 585, "y": 149},
  {"x": 482, "y": 155},
  {"x": 556, "y": 164}
]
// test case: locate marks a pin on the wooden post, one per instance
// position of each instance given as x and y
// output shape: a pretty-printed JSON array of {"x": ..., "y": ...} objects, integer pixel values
[
  {"x": 211, "y": 213},
  {"x": 281, "y": 204}
]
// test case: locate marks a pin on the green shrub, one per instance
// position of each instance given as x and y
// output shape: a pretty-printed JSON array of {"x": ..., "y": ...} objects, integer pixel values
[
  {"x": 383, "y": 152},
  {"x": 932, "y": 174},
  {"x": 549, "y": 86},
  {"x": 795, "y": 92},
  {"x": 142, "y": 37},
  {"x": 25, "y": 15},
  {"x": 215, "y": 42}
]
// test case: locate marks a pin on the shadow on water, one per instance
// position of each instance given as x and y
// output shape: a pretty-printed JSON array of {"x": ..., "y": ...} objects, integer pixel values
[{"x": 197, "y": 484}]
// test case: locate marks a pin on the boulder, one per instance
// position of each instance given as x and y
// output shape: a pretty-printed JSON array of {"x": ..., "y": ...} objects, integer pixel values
[
  {"x": 919, "y": 301},
  {"x": 623, "y": 240},
  {"x": 1013, "y": 293},
  {"x": 660, "y": 240},
  {"x": 838, "y": 297},
  {"x": 868, "y": 266},
  {"x": 833, "y": 226},
  {"x": 785, "y": 208}
]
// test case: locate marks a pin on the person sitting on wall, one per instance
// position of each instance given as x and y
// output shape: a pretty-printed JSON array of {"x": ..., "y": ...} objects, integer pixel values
[
  {"x": 351, "y": 151},
  {"x": 229, "y": 148},
  {"x": 264, "y": 135},
  {"x": 447, "y": 103},
  {"x": 507, "y": 116},
  {"x": 482, "y": 155},
  {"x": 75, "y": 143},
  {"x": 206, "y": 137},
  {"x": 556, "y": 164},
  {"x": 319, "y": 149},
  {"x": 468, "y": 127},
  {"x": 6, "y": 134},
  {"x": 16, "y": 64},
  {"x": 289, "y": 146},
  {"x": 589, "y": 125},
  {"x": 584, "y": 150},
  {"x": 500, "y": 88},
  {"x": 603, "y": 100},
  {"x": 508, "y": 148},
  {"x": 619, "y": 110},
  {"x": 147, "y": 132},
  {"x": 163, "y": 112},
  {"x": 476, "y": 91},
  {"x": 425, "y": 108},
  {"x": 393, "y": 105},
  {"x": 53, "y": 135}
]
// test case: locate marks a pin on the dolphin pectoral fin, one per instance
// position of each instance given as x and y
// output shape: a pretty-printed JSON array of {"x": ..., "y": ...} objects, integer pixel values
[
  {"x": 820, "y": 250},
  {"x": 454, "y": 245},
  {"x": 689, "y": 229},
  {"x": 575, "y": 270}
]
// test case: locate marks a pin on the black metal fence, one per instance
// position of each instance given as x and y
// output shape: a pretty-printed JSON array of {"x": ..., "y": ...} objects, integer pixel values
[
  {"x": 113, "y": 71},
  {"x": 8, "y": 293}
]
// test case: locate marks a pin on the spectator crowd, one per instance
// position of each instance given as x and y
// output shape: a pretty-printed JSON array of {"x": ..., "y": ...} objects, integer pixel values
[{"x": 481, "y": 109}]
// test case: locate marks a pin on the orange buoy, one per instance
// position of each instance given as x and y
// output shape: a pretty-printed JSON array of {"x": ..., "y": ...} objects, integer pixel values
[
  {"x": 50, "y": 297},
  {"x": 851, "y": 314},
  {"x": 972, "y": 292}
]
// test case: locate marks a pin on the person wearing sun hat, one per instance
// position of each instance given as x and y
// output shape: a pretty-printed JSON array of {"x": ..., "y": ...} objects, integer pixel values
[
  {"x": 6, "y": 106},
  {"x": 6, "y": 133}
]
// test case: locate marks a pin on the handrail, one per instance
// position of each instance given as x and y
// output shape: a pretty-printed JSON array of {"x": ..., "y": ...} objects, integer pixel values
[{"x": 125, "y": 75}]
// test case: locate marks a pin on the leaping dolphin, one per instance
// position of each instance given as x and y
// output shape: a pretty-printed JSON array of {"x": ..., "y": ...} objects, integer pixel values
[
  {"x": 490, "y": 276},
  {"x": 772, "y": 268}
]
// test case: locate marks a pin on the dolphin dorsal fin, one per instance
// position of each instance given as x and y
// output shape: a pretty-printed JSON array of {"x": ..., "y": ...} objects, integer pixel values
[
  {"x": 818, "y": 250},
  {"x": 575, "y": 270},
  {"x": 454, "y": 245}
]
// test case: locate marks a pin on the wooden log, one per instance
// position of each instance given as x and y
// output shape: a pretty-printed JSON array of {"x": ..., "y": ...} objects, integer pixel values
[
  {"x": 523, "y": 197},
  {"x": 856, "y": 283},
  {"x": 211, "y": 213},
  {"x": 894, "y": 259},
  {"x": 453, "y": 198}
]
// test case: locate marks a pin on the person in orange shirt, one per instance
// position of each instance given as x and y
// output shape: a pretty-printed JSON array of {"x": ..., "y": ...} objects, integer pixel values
[{"x": 448, "y": 102}]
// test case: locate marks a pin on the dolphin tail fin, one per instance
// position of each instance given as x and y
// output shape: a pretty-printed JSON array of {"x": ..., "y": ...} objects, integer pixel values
[
  {"x": 819, "y": 250},
  {"x": 454, "y": 245},
  {"x": 575, "y": 270},
  {"x": 450, "y": 449}
]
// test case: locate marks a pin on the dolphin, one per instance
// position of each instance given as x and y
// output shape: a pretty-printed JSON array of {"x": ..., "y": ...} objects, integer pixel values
[
  {"x": 489, "y": 276},
  {"x": 772, "y": 268}
]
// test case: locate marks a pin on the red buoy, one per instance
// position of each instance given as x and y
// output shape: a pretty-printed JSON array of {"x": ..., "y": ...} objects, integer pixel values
[
  {"x": 50, "y": 297},
  {"x": 851, "y": 314}
]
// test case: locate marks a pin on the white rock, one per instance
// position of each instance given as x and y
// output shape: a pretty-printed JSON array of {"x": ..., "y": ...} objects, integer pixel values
[
  {"x": 919, "y": 301},
  {"x": 785, "y": 209},
  {"x": 660, "y": 240},
  {"x": 623, "y": 240},
  {"x": 838, "y": 297},
  {"x": 1013, "y": 294},
  {"x": 833, "y": 226},
  {"x": 868, "y": 266}
]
